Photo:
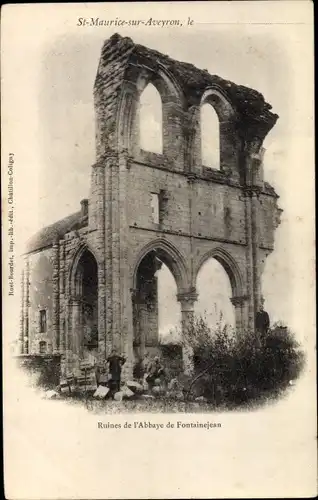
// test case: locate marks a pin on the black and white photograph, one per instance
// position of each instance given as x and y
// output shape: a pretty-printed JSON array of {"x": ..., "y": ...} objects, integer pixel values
[{"x": 159, "y": 250}]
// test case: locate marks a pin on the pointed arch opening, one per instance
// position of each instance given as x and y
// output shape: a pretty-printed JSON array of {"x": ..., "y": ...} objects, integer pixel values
[
  {"x": 86, "y": 302},
  {"x": 215, "y": 291},
  {"x": 210, "y": 137},
  {"x": 156, "y": 311},
  {"x": 169, "y": 310},
  {"x": 150, "y": 120}
]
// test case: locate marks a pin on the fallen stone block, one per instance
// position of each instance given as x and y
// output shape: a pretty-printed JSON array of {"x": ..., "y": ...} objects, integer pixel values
[
  {"x": 65, "y": 385},
  {"x": 87, "y": 365},
  {"x": 77, "y": 373},
  {"x": 65, "y": 390},
  {"x": 134, "y": 386},
  {"x": 101, "y": 392},
  {"x": 127, "y": 392},
  {"x": 51, "y": 394},
  {"x": 118, "y": 396},
  {"x": 86, "y": 383}
]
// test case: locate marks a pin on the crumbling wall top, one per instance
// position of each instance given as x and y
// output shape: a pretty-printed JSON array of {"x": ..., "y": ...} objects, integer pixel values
[
  {"x": 254, "y": 113},
  {"x": 46, "y": 236}
]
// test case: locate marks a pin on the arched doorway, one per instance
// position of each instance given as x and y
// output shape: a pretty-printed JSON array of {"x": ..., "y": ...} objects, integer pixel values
[
  {"x": 169, "y": 310},
  {"x": 85, "y": 306},
  {"x": 215, "y": 292},
  {"x": 156, "y": 310}
]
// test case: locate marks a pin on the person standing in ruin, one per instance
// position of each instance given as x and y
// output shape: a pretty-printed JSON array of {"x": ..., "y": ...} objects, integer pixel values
[
  {"x": 115, "y": 363},
  {"x": 262, "y": 323}
]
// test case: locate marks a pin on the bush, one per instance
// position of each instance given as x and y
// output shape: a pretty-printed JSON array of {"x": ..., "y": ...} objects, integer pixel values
[
  {"x": 234, "y": 369},
  {"x": 44, "y": 370}
]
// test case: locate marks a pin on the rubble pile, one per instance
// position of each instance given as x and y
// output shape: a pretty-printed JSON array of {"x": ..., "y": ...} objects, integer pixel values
[{"x": 90, "y": 381}]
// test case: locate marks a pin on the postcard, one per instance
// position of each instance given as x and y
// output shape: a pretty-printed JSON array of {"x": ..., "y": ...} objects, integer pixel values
[{"x": 158, "y": 250}]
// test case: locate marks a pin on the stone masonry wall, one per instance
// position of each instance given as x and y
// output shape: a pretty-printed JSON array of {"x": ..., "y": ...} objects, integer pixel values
[
  {"x": 40, "y": 298},
  {"x": 229, "y": 214}
]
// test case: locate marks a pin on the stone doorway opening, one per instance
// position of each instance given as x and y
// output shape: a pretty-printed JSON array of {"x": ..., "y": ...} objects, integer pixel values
[
  {"x": 214, "y": 296},
  {"x": 156, "y": 310},
  {"x": 85, "y": 306}
]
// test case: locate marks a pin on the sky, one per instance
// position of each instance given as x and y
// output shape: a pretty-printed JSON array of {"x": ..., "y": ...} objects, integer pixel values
[{"x": 54, "y": 134}]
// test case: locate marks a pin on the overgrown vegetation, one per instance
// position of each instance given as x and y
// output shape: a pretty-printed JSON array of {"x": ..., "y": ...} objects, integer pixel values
[
  {"x": 230, "y": 369},
  {"x": 44, "y": 371},
  {"x": 234, "y": 369}
]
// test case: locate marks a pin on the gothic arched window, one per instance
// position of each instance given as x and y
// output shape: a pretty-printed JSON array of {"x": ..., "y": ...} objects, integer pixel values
[
  {"x": 150, "y": 120},
  {"x": 210, "y": 137}
]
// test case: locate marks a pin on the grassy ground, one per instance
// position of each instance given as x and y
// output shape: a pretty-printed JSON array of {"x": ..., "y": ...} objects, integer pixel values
[{"x": 160, "y": 405}]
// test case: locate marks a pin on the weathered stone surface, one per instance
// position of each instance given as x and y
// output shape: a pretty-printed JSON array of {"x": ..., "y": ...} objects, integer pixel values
[
  {"x": 118, "y": 396},
  {"x": 134, "y": 386},
  {"x": 46, "y": 236},
  {"x": 51, "y": 395},
  {"x": 101, "y": 392},
  {"x": 65, "y": 387},
  {"x": 128, "y": 393},
  {"x": 230, "y": 214},
  {"x": 145, "y": 385},
  {"x": 103, "y": 379}
]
